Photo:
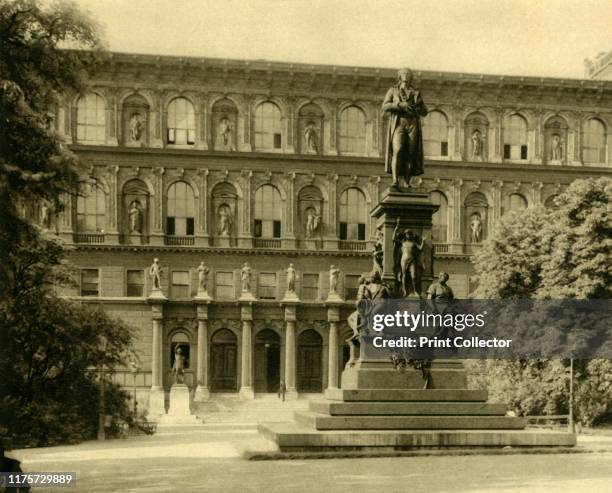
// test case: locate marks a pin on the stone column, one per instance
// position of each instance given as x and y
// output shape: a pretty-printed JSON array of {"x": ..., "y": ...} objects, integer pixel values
[
  {"x": 291, "y": 393},
  {"x": 333, "y": 316},
  {"x": 246, "y": 383},
  {"x": 202, "y": 393},
  {"x": 157, "y": 395}
]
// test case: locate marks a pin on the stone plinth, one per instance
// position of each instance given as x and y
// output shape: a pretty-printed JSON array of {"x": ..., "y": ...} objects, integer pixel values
[
  {"x": 156, "y": 294},
  {"x": 179, "y": 411},
  {"x": 223, "y": 241},
  {"x": 334, "y": 297},
  {"x": 202, "y": 296},
  {"x": 247, "y": 296},
  {"x": 290, "y": 296}
]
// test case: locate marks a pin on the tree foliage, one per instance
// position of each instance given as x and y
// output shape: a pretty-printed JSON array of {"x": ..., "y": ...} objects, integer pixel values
[
  {"x": 560, "y": 253},
  {"x": 51, "y": 346}
]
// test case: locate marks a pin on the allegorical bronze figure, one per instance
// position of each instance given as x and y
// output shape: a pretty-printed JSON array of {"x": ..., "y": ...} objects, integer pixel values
[{"x": 404, "y": 151}]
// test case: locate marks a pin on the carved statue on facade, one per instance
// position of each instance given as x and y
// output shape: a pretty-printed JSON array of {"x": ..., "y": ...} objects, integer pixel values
[
  {"x": 476, "y": 228},
  {"x": 245, "y": 277},
  {"x": 45, "y": 214},
  {"x": 556, "y": 148},
  {"x": 291, "y": 277},
  {"x": 135, "y": 217},
  {"x": 178, "y": 368},
  {"x": 311, "y": 138},
  {"x": 407, "y": 262},
  {"x": 224, "y": 223},
  {"x": 477, "y": 145},
  {"x": 312, "y": 222},
  {"x": 225, "y": 133},
  {"x": 136, "y": 127},
  {"x": 155, "y": 273},
  {"x": 404, "y": 151},
  {"x": 203, "y": 271},
  {"x": 334, "y": 272}
]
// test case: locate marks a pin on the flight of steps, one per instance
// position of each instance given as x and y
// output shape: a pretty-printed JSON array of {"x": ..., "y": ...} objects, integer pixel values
[{"x": 231, "y": 408}]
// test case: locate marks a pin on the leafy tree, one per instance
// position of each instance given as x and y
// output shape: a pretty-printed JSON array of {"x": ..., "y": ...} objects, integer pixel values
[
  {"x": 49, "y": 345},
  {"x": 552, "y": 254}
]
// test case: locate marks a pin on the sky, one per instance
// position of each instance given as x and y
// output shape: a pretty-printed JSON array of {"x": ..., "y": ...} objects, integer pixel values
[{"x": 548, "y": 38}]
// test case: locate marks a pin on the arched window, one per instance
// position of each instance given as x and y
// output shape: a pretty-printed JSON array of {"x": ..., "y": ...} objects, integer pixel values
[
  {"x": 515, "y": 202},
  {"x": 440, "y": 217},
  {"x": 91, "y": 210},
  {"x": 181, "y": 122},
  {"x": 352, "y": 132},
  {"x": 435, "y": 134},
  {"x": 593, "y": 141},
  {"x": 268, "y": 127},
  {"x": 352, "y": 215},
  {"x": 91, "y": 119},
  {"x": 515, "y": 138},
  {"x": 180, "y": 212},
  {"x": 268, "y": 209}
]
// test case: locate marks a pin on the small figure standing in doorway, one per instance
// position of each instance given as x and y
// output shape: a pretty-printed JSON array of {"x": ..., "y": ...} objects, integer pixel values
[{"x": 282, "y": 390}]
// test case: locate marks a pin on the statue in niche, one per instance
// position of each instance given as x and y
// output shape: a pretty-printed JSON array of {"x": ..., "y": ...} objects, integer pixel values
[
  {"x": 155, "y": 273},
  {"x": 556, "y": 148},
  {"x": 405, "y": 107},
  {"x": 476, "y": 228},
  {"x": 178, "y": 368},
  {"x": 135, "y": 218},
  {"x": 334, "y": 272},
  {"x": 203, "y": 271},
  {"x": 477, "y": 145},
  {"x": 311, "y": 138},
  {"x": 312, "y": 222},
  {"x": 407, "y": 264},
  {"x": 136, "y": 127},
  {"x": 224, "y": 222},
  {"x": 245, "y": 277},
  {"x": 291, "y": 277},
  {"x": 45, "y": 214},
  {"x": 225, "y": 133}
]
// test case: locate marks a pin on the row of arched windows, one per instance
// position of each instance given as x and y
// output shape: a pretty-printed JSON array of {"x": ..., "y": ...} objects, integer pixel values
[{"x": 269, "y": 130}]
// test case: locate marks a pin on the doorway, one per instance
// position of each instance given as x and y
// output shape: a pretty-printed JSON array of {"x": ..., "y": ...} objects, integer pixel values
[
  {"x": 267, "y": 361},
  {"x": 223, "y": 362},
  {"x": 310, "y": 362}
]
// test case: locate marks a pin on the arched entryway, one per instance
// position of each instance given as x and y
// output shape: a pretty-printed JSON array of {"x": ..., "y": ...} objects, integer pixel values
[
  {"x": 223, "y": 362},
  {"x": 267, "y": 361},
  {"x": 310, "y": 362}
]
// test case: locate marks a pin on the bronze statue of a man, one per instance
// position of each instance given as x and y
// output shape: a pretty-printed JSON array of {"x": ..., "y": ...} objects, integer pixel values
[{"x": 404, "y": 151}]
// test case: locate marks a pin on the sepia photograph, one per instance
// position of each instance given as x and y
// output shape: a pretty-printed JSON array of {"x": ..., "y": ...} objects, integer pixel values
[{"x": 277, "y": 246}]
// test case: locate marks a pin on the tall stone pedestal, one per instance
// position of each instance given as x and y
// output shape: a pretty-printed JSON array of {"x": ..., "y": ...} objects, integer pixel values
[{"x": 179, "y": 411}]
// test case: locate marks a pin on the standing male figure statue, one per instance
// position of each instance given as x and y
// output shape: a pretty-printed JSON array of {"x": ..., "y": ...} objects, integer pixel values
[
  {"x": 155, "y": 273},
  {"x": 404, "y": 152}
]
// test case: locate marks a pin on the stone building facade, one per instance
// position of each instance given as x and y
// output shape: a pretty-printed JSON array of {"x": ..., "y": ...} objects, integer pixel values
[{"x": 227, "y": 161}]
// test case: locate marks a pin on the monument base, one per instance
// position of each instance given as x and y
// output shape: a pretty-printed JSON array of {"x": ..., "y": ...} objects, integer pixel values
[
  {"x": 202, "y": 296},
  {"x": 247, "y": 296},
  {"x": 179, "y": 411},
  {"x": 156, "y": 294}
]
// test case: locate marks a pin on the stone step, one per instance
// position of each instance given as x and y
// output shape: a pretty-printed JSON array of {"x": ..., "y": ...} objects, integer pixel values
[
  {"x": 291, "y": 437},
  {"x": 407, "y": 408},
  {"x": 407, "y": 395},
  {"x": 326, "y": 422}
]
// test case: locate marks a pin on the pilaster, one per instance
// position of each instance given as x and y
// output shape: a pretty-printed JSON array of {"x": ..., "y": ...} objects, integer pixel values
[
  {"x": 290, "y": 318},
  {"x": 246, "y": 384}
]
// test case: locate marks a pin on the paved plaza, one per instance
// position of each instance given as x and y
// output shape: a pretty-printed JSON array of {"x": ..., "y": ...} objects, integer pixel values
[{"x": 208, "y": 458}]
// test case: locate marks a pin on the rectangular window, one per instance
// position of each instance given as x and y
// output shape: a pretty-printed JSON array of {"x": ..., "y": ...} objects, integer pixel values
[
  {"x": 343, "y": 231},
  {"x": 351, "y": 284},
  {"x": 189, "y": 227},
  {"x": 170, "y": 226},
  {"x": 171, "y": 136},
  {"x": 310, "y": 287},
  {"x": 180, "y": 284},
  {"x": 135, "y": 283},
  {"x": 443, "y": 148},
  {"x": 506, "y": 151},
  {"x": 361, "y": 231},
  {"x": 267, "y": 286},
  {"x": 277, "y": 141},
  {"x": 257, "y": 229},
  {"x": 90, "y": 282},
  {"x": 523, "y": 152},
  {"x": 224, "y": 285},
  {"x": 276, "y": 233},
  {"x": 191, "y": 136}
]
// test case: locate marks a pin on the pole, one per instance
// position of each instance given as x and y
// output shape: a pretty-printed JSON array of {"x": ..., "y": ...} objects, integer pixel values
[
  {"x": 101, "y": 418},
  {"x": 570, "y": 420}
]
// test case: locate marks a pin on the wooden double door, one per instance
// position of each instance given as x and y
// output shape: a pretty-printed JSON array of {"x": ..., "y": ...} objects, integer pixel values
[
  {"x": 223, "y": 362},
  {"x": 310, "y": 362}
]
